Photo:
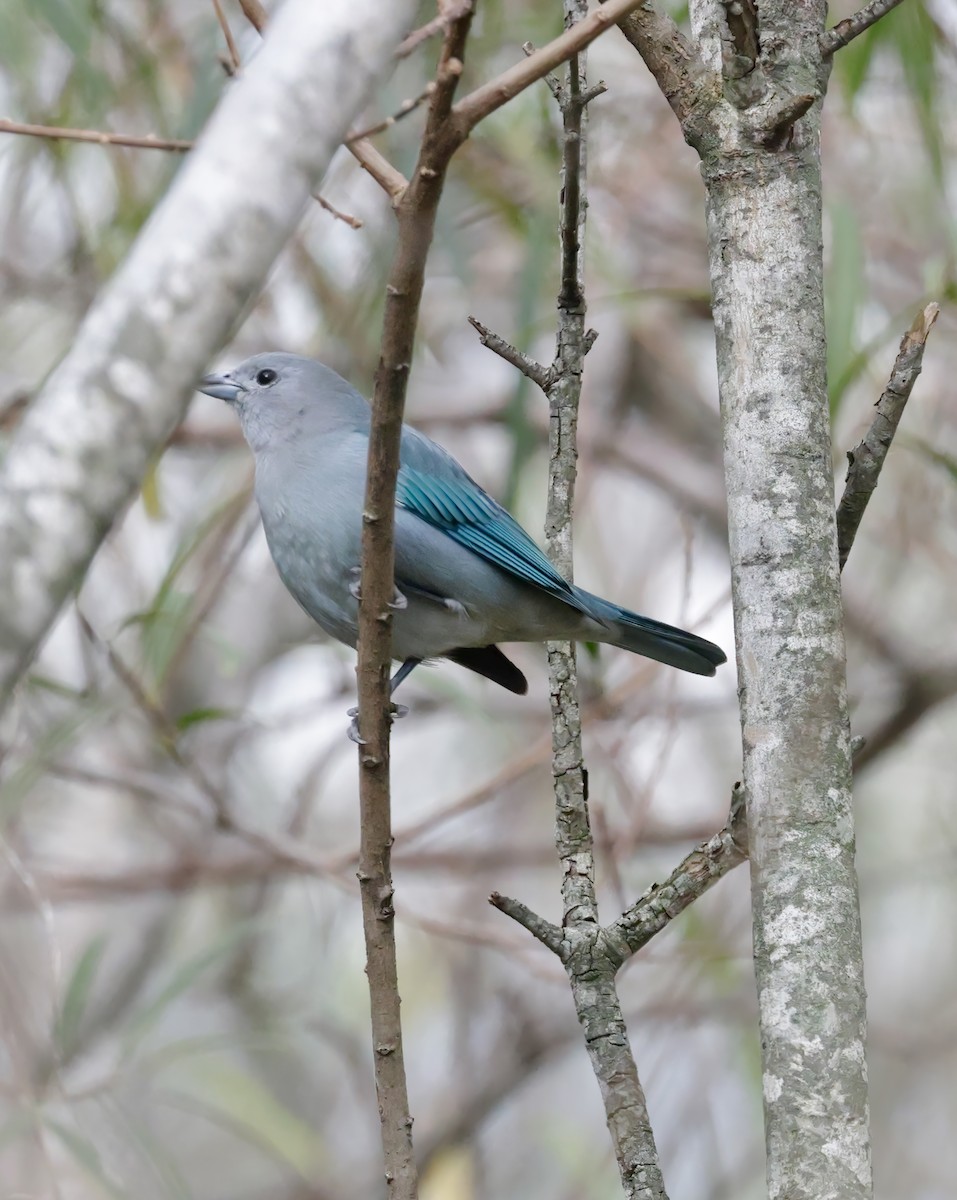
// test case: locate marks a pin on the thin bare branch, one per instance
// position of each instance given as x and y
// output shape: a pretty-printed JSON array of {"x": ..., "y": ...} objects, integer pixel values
[
  {"x": 416, "y": 211},
  {"x": 548, "y": 934},
  {"x": 450, "y": 12},
  {"x": 590, "y": 961},
  {"x": 254, "y": 13},
  {"x": 174, "y": 145},
  {"x": 228, "y": 35},
  {"x": 866, "y": 460},
  {"x": 528, "y": 366},
  {"x": 590, "y": 956},
  {"x": 388, "y": 177},
  {"x": 851, "y": 27},
  {"x": 346, "y": 218},
  {"x": 406, "y": 107},
  {"x": 279, "y": 848},
  {"x": 668, "y": 55},
  {"x": 492, "y": 95},
  {"x": 391, "y": 180},
  {"x": 96, "y": 136},
  {"x": 693, "y": 876}
]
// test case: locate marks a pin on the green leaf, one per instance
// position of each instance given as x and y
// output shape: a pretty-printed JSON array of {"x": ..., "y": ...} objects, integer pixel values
[
  {"x": 914, "y": 35},
  {"x": 199, "y": 715},
  {"x": 44, "y": 683},
  {"x": 183, "y": 979},
  {"x": 163, "y": 1162},
  {"x": 163, "y": 629},
  {"x": 86, "y": 1155},
  {"x": 941, "y": 459},
  {"x": 45, "y": 749},
  {"x": 250, "y": 1108},
  {"x": 150, "y": 492},
  {"x": 69, "y": 22},
  {"x": 843, "y": 293},
  {"x": 77, "y": 996},
  {"x": 22, "y": 1121},
  {"x": 169, "y": 618},
  {"x": 855, "y": 59}
]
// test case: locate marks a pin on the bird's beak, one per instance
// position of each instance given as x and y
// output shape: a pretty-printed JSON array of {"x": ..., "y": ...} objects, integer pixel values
[{"x": 222, "y": 387}]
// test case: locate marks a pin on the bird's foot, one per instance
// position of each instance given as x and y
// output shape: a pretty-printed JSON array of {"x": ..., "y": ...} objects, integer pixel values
[
  {"x": 353, "y": 731},
  {"x": 397, "y": 603},
  {"x": 396, "y": 712}
]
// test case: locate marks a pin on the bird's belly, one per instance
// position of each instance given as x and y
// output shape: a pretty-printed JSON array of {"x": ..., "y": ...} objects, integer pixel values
[
  {"x": 311, "y": 567},
  {"x": 428, "y": 628}
]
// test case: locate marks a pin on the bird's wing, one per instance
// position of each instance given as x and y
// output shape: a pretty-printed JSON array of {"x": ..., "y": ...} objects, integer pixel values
[{"x": 432, "y": 485}]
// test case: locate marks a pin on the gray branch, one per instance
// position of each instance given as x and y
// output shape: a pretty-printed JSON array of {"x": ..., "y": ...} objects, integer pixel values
[
  {"x": 866, "y": 460},
  {"x": 590, "y": 956},
  {"x": 764, "y": 233},
  {"x": 82, "y": 449},
  {"x": 693, "y": 876},
  {"x": 845, "y": 31}
]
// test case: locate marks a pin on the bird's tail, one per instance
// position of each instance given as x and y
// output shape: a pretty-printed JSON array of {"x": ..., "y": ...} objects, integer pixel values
[{"x": 653, "y": 639}]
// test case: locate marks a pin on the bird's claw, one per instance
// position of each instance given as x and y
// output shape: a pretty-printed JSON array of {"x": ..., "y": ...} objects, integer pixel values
[
  {"x": 353, "y": 731},
  {"x": 396, "y": 712},
  {"x": 397, "y": 603}
]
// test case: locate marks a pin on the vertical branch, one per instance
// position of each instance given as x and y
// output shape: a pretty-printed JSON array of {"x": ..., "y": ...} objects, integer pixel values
[
  {"x": 590, "y": 962},
  {"x": 572, "y": 831},
  {"x": 762, "y": 174},
  {"x": 415, "y": 213}
]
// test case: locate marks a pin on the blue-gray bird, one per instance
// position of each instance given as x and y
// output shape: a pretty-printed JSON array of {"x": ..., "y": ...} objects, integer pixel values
[{"x": 466, "y": 574}]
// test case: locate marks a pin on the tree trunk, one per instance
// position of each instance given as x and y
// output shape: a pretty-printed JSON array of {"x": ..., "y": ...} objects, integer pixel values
[{"x": 764, "y": 230}]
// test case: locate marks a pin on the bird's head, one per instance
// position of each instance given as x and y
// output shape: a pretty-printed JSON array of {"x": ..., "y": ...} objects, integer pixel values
[{"x": 281, "y": 397}]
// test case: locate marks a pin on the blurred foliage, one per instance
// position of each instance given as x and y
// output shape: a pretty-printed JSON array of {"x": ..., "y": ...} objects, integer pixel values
[{"x": 183, "y": 1017}]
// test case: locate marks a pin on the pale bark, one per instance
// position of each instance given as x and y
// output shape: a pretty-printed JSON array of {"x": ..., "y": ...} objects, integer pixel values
[
  {"x": 761, "y": 166},
  {"x": 83, "y": 447}
]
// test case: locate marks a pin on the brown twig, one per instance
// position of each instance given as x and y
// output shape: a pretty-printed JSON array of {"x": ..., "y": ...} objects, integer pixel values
[
  {"x": 174, "y": 145},
  {"x": 254, "y": 13},
  {"x": 391, "y": 180},
  {"x": 492, "y": 95},
  {"x": 866, "y": 460},
  {"x": 279, "y": 848},
  {"x": 668, "y": 55},
  {"x": 406, "y": 107},
  {"x": 346, "y": 218},
  {"x": 851, "y": 27},
  {"x": 388, "y": 177},
  {"x": 451, "y": 12},
  {"x": 228, "y": 35},
  {"x": 416, "y": 211},
  {"x": 95, "y": 136}
]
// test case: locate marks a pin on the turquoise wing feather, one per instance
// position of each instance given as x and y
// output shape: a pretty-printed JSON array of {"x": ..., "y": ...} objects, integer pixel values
[{"x": 432, "y": 485}]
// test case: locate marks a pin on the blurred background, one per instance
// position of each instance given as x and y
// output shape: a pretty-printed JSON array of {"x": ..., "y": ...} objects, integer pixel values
[{"x": 183, "y": 1011}]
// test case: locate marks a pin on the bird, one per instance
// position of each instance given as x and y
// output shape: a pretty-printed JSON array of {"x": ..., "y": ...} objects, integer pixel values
[{"x": 467, "y": 575}]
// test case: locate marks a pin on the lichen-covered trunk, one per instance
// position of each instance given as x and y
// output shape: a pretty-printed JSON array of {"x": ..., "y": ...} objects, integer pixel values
[
  {"x": 88, "y": 438},
  {"x": 764, "y": 223}
]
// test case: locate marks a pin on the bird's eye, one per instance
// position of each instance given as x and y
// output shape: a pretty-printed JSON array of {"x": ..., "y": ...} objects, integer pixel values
[{"x": 266, "y": 376}]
